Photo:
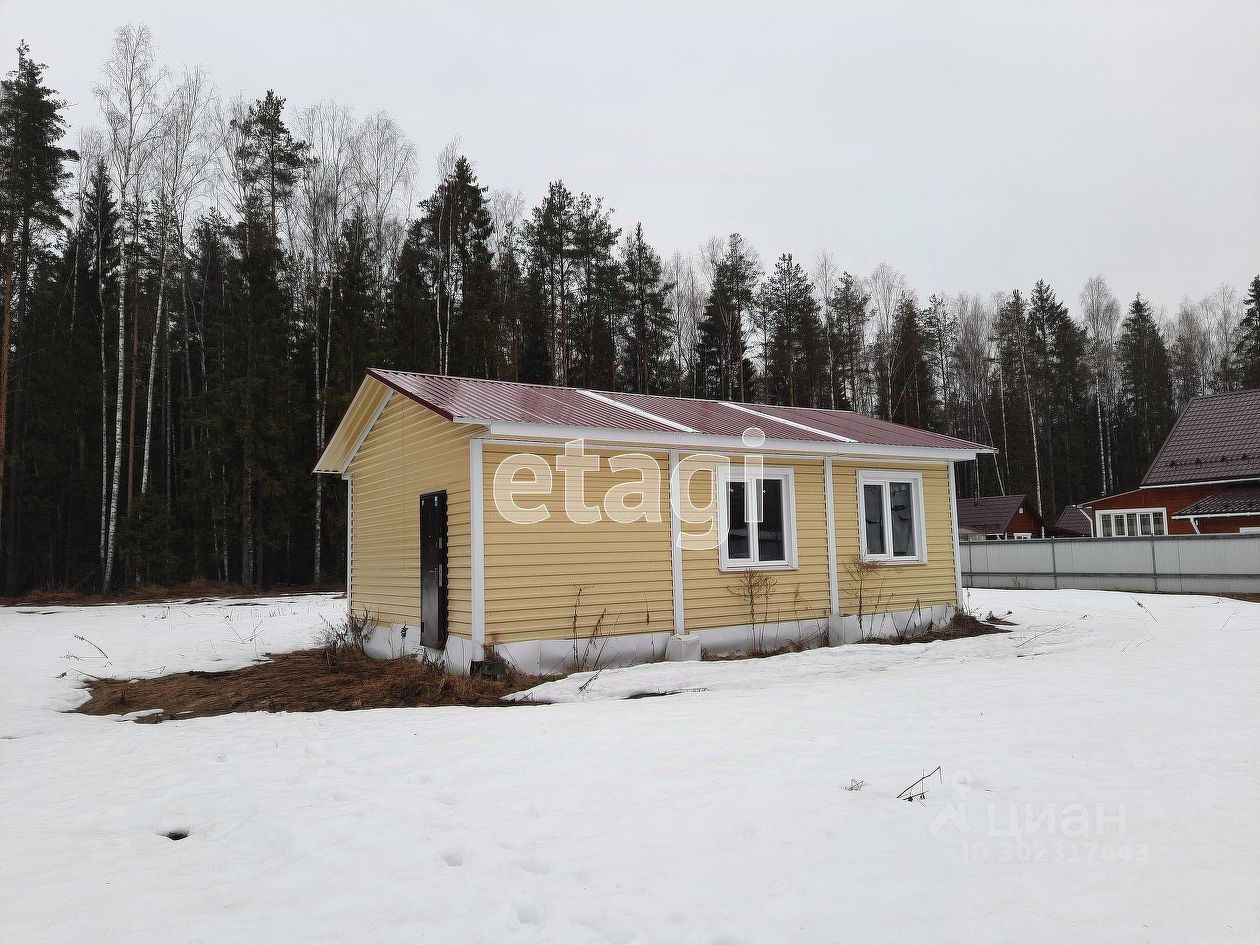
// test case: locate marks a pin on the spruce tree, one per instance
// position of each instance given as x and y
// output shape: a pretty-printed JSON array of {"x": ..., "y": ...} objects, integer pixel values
[
  {"x": 1146, "y": 392},
  {"x": 723, "y": 369},
  {"x": 1247, "y": 346},
  {"x": 850, "y": 314},
  {"x": 32, "y": 170},
  {"x": 647, "y": 326},
  {"x": 915, "y": 401}
]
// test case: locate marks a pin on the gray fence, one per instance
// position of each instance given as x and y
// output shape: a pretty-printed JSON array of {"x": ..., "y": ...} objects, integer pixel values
[{"x": 1202, "y": 564}]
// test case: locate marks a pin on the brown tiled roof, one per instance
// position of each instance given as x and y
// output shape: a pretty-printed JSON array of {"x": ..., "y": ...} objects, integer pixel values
[
  {"x": 1236, "y": 500},
  {"x": 989, "y": 515},
  {"x": 480, "y": 401},
  {"x": 1216, "y": 438},
  {"x": 1076, "y": 520}
]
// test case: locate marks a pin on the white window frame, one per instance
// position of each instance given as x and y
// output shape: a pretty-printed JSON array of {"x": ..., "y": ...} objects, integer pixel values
[
  {"x": 882, "y": 477},
  {"x": 728, "y": 474},
  {"x": 1114, "y": 514},
  {"x": 1022, "y": 536}
]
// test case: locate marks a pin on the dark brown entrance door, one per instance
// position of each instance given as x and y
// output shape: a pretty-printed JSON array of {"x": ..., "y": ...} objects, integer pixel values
[{"x": 433, "y": 576}]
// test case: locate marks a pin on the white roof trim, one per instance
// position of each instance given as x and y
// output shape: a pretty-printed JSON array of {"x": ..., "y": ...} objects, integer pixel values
[
  {"x": 790, "y": 423},
  {"x": 634, "y": 410},
  {"x": 376, "y": 415},
  {"x": 703, "y": 441}
]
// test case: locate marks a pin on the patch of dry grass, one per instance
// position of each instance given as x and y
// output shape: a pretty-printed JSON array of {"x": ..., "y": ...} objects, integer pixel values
[
  {"x": 960, "y": 626},
  {"x": 304, "y": 681}
]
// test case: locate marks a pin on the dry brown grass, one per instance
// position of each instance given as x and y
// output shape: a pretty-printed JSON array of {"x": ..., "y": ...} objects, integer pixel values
[
  {"x": 304, "y": 681},
  {"x": 960, "y": 626}
]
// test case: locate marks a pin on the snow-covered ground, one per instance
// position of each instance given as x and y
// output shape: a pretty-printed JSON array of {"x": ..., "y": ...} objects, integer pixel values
[{"x": 1100, "y": 784}]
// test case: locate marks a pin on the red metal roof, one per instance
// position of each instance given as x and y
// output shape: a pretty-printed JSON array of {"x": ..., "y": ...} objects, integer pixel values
[
  {"x": 1216, "y": 438},
  {"x": 472, "y": 400}
]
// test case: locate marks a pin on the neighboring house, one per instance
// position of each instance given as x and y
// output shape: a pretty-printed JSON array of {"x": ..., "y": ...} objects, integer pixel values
[
  {"x": 495, "y": 519},
  {"x": 1205, "y": 479},
  {"x": 1074, "y": 521},
  {"x": 1000, "y": 517}
]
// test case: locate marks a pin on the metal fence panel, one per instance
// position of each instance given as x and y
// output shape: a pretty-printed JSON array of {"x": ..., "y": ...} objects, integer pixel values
[{"x": 1212, "y": 564}]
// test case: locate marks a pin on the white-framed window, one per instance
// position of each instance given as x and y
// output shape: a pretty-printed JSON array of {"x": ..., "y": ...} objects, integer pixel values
[
  {"x": 1024, "y": 535},
  {"x": 1133, "y": 523},
  {"x": 756, "y": 518},
  {"x": 890, "y": 516}
]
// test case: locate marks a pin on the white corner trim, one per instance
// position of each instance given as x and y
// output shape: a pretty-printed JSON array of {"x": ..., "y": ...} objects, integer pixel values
[
  {"x": 478, "y": 545},
  {"x": 791, "y": 423},
  {"x": 376, "y": 415},
  {"x": 953, "y": 527},
  {"x": 638, "y": 412},
  {"x": 675, "y": 545},
  {"x": 349, "y": 544},
  {"x": 833, "y": 578}
]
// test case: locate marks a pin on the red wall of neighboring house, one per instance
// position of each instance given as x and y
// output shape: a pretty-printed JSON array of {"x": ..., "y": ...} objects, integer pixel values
[
  {"x": 1024, "y": 521},
  {"x": 1173, "y": 499}
]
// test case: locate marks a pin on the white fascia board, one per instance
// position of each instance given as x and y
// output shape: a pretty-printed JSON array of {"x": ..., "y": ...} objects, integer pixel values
[
  {"x": 704, "y": 441},
  {"x": 1204, "y": 482},
  {"x": 791, "y": 423},
  {"x": 1215, "y": 515}
]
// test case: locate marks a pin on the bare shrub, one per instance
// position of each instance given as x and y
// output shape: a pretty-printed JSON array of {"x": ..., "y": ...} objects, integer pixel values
[{"x": 348, "y": 640}]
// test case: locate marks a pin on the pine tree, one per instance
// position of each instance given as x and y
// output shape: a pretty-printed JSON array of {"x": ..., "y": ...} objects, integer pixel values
[
  {"x": 452, "y": 250},
  {"x": 1247, "y": 345},
  {"x": 647, "y": 327},
  {"x": 549, "y": 243},
  {"x": 599, "y": 297},
  {"x": 1146, "y": 392},
  {"x": 792, "y": 351}
]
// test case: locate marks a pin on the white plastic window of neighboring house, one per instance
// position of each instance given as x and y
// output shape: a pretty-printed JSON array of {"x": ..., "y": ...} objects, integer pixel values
[
  {"x": 1133, "y": 524},
  {"x": 890, "y": 516},
  {"x": 757, "y": 518},
  {"x": 1027, "y": 535}
]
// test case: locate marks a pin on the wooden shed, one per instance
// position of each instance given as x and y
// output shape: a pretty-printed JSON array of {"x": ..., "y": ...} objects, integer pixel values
[{"x": 552, "y": 527}]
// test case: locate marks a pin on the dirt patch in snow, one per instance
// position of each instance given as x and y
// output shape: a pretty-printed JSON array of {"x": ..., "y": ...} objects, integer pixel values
[
  {"x": 303, "y": 681},
  {"x": 960, "y": 626},
  {"x": 197, "y": 591}
]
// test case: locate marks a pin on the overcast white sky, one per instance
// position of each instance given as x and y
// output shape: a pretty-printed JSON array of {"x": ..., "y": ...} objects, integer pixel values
[{"x": 975, "y": 146}]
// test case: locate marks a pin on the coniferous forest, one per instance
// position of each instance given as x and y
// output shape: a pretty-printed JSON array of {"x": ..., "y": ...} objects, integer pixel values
[{"x": 194, "y": 286}]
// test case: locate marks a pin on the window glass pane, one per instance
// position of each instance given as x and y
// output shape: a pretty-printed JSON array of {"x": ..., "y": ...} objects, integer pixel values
[
  {"x": 1130, "y": 523},
  {"x": 1158, "y": 522},
  {"x": 1106, "y": 526},
  {"x": 873, "y": 515},
  {"x": 771, "y": 540},
  {"x": 1145, "y": 519},
  {"x": 901, "y": 502},
  {"x": 737, "y": 522}
]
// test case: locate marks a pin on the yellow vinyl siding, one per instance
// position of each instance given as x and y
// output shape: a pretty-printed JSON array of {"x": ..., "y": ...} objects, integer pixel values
[
  {"x": 533, "y": 571},
  {"x": 410, "y": 451},
  {"x": 895, "y": 587},
  {"x": 713, "y": 597}
]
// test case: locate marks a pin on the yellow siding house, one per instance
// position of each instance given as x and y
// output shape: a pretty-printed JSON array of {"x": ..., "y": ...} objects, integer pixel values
[{"x": 553, "y": 527}]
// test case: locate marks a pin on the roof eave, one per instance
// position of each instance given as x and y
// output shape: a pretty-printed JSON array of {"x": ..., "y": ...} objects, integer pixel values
[{"x": 562, "y": 433}]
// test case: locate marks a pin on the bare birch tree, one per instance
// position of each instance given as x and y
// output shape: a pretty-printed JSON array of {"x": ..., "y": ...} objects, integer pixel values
[
  {"x": 1101, "y": 313},
  {"x": 129, "y": 98}
]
